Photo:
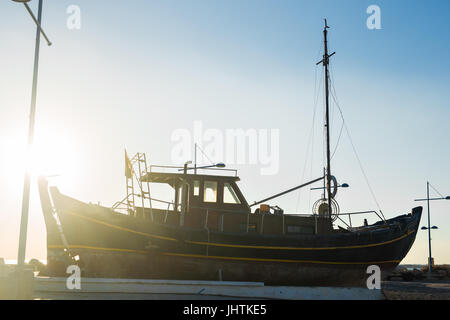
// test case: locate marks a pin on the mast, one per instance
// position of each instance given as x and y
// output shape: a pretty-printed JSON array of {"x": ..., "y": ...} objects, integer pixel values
[{"x": 325, "y": 61}]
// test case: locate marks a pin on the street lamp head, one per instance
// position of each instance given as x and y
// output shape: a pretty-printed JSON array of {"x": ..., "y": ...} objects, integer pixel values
[
  {"x": 424, "y": 228},
  {"x": 345, "y": 185},
  {"x": 38, "y": 23},
  {"x": 434, "y": 227},
  {"x": 220, "y": 165}
]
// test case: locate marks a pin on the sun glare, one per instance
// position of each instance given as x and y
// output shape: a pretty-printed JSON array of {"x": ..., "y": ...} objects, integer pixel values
[{"x": 52, "y": 154}]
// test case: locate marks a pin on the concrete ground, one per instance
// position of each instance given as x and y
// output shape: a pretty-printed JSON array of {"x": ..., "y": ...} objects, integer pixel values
[
  {"x": 127, "y": 296},
  {"x": 416, "y": 290},
  {"x": 140, "y": 289},
  {"x": 392, "y": 290}
]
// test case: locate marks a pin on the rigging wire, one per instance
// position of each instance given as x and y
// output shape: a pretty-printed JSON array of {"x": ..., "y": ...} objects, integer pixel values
[
  {"x": 338, "y": 140},
  {"x": 342, "y": 125},
  {"x": 204, "y": 154},
  {"x": 310, "y": 143},
  {"x": 436, "y": 190},
  {"x": 311, "y": 134},
  {"x": 324, "y": 134},
  {"x": 333, "y": 94},
  {"x": 333, "y": 107}
]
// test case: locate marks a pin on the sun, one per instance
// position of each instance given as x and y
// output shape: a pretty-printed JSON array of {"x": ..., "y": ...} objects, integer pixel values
[{"x": 52, "y": 154}]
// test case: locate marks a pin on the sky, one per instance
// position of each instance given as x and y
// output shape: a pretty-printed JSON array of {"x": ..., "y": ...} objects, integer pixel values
[{"x": 135, "y": 73}]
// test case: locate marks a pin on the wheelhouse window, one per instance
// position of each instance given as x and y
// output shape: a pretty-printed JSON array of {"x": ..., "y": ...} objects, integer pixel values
[
  {"x": 210, "y": 191},
  {"x": 196, "y": 188},
  {"x": 229, "y": 196},
  {"x": 180, "y": 197}
]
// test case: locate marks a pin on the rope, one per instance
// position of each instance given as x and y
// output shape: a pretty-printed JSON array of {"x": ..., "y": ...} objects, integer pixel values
[
  {"x": 354, "y": 148},
  {"x": 212, "y": 162},
  {"x": 339, "y": 138},
  {"x": 342, "y": 126},
  {"x": 436, "y": 190},
  {"x": 311, "y": 134}
]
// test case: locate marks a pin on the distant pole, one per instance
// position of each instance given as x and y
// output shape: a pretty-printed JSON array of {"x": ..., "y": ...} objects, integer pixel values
[
  {"x": 195, "y": 158},
  {"x": 26, "y": 187},
  {"x": 428, "y": 199},
  {"x": 430, "y": 264}
]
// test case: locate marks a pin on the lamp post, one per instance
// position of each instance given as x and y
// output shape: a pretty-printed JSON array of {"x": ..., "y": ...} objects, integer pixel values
[
  {"x": 344, "y": 185},
  {"x": 26, "y": 188},
  {"x": 217, "y": 165},
  {"x": 428, "y": 199}
]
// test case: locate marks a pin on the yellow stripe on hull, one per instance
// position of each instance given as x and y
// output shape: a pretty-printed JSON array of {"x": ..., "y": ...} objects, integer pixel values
[
  {"x": 296, "y": 248},
  {"x": 278, "y": 260},
  {"x": 96, "y": 248},
  {"x": 223, "y": 258},
  {"x": 238, "y": 245}
]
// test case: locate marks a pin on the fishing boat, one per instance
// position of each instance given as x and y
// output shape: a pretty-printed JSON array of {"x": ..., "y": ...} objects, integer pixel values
[{"x": 208, "y": 230}]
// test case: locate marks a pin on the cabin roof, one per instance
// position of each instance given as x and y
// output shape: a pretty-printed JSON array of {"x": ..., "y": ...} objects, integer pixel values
[{"x": 171, "y": 178}]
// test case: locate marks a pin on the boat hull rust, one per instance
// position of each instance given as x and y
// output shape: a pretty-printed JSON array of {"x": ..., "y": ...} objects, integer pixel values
[{"x": 114, "y": 245}]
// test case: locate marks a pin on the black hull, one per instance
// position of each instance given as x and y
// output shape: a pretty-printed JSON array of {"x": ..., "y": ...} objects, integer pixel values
[{"x": 110, "y": 244}]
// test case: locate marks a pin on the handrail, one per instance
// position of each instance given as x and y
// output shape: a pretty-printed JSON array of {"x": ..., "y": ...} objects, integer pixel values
[
  {"x": 228, "y": 211},
  {"x": 245, "y": 212},
  {"x": 167, "y": 167},
  {"x": 177, "y": 167},
  {"x": 362, "y": 212},
  {"x": 294, "y": 215},
  {"x": 118, "y": 203},
  {"x": 138, "y": 195},
  {"x": 220, "y": 210}
]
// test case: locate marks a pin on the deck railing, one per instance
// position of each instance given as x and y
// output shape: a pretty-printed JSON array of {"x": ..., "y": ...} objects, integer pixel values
[
  {"x": 222, "y": 213},
  {"x": 176, "y": 169}
]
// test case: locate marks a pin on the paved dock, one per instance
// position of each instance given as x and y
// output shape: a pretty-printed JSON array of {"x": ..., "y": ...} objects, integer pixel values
[{"x": 93, "y": 289}]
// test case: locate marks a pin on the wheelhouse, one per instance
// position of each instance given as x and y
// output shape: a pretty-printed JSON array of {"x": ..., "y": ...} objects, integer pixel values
[
  {"x": 203, "y": 192},
  {"x": 216, "y": 203}
]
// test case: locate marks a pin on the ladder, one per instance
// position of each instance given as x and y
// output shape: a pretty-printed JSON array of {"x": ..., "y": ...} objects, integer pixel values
[
  {"x": 136, "y": 168},
  {"x": 141, "y": 160},
  {"x": 131, "y": 209}
]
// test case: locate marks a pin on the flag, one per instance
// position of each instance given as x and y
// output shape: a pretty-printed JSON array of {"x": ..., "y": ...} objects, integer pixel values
[{"x": 128, "y": 167}]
